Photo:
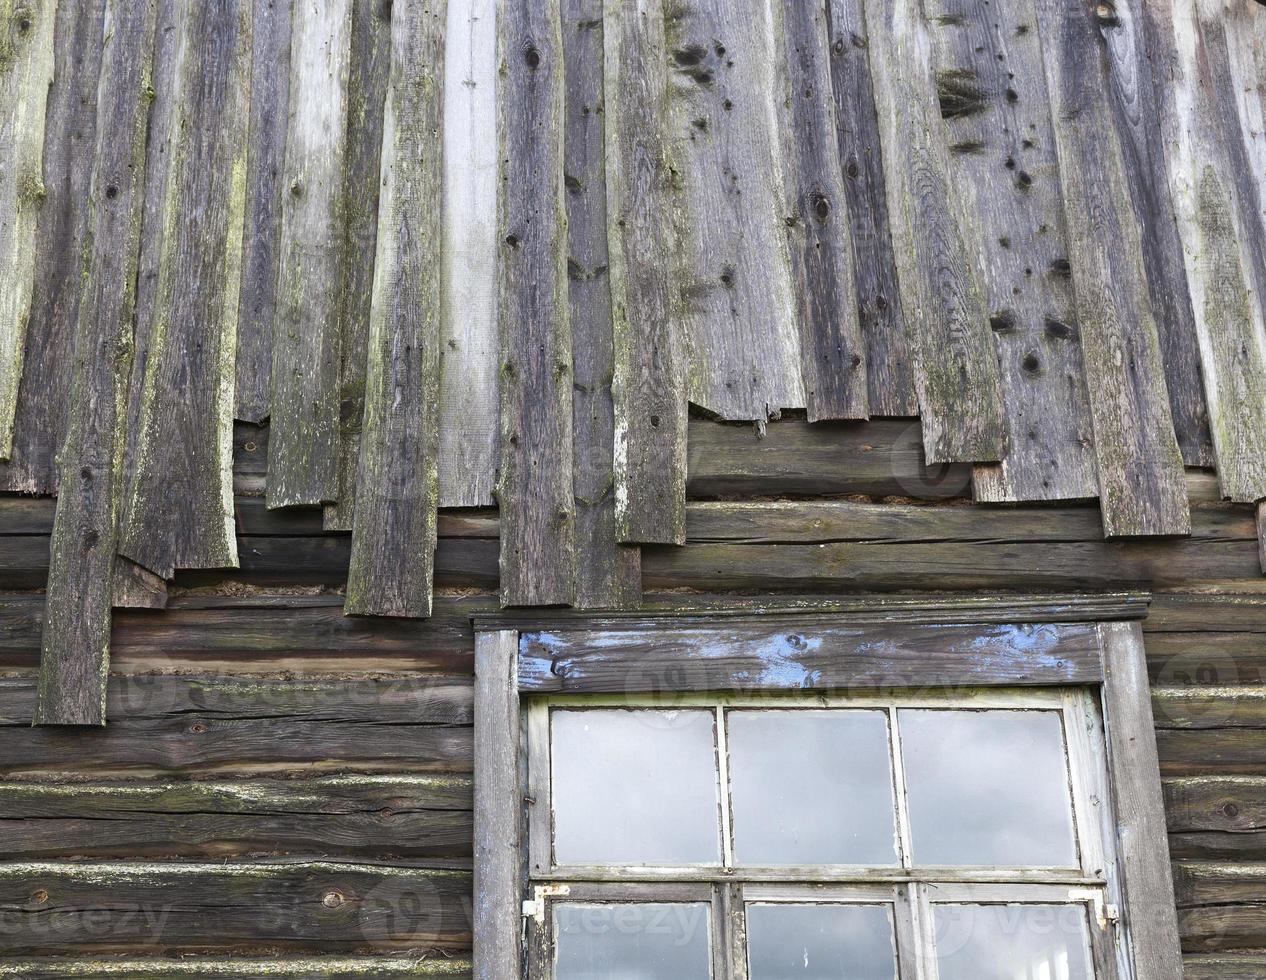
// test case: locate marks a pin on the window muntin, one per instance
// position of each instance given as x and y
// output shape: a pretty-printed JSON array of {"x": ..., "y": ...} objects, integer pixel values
[{"x": 1078, "y": 882}]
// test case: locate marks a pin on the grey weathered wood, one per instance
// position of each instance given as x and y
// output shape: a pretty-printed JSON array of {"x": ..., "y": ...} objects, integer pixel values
[
  {"x": 881, "y": 458},
  {"x": 1218, "y": 207},
  {"x": 608, "y": 574},
  {"x": 469, "y": 435},
  {"x": 1216, "y": 816},
  {"x": 832, "y": 348},
  {"x": 76, "y": 641},
  {"x": 1140, "y": 466},
  {"x": 955, "y": 365},
  {"x": 367, "y": 94},
  {"x": 347, "y": 815},
  {"x": 304, "y": 420},
  {"x": 1133, "y": 773},
  {"x": 888, "y": 369},
  {"x": 393, "y": 540},
  {"x": 26, "y": 71},
  {"x": 265, "y": 159},
  {"x": 498, "y": 806},
  {"x": 179, "y": 498},
  {"x": 209, "y": 724},
  {"x": 1231, "y": 966},
  {"x": 805, "y": 654},
  {"x": 314, "y": 905},
  {"x": 649, "y": 386},
  {"x": 1141, "y": 71},
  {"x": 305, "y": 967},
  {"x": 740, "y": 309},
  {"x": 992, "y": 92},
  {"x": 61, "y": 230},
  {"x": 534, "y": 488},
  {"x": 136, "y": 587}
]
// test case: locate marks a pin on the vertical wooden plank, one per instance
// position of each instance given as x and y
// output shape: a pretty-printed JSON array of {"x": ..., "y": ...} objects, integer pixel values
[
  {"x": 608, "y": 574},
  {"x": 832, "y": 349},
  {"x": 1214, "y": 180},
  {"x": 1139, "y": 54},
  {"x": 991, "y": 87},
  {"x": 1141, "y": 480},
  {"x": 535, "y": 485},
  {"x": 469, "y": 429},
  {"x": 26, "y": 71},
  {"x": 740, "y": 312},
  {"x": 303, "y": 430},
  {"x": 649, "y": 387},
  {"x": 393, "y": 539},
  {"x": 1134, "y": 773},
  {"x": 265, "y": 159},
  {"x": 136, "y": 587},
  {"x": 69, "y": 134},
  {"x": 366, "y": 96},
  {"x": 497, "y": 923},
  {"x": 179, "y": 504},
  {"x": 76, "y": 640},
  {"x": 889, "y": 373},
  {"x": 955, "y": 365}
]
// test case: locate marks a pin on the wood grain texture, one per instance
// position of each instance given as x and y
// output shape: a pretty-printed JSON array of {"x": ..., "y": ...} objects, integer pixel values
[
  {"x": 469, "y": 428},
  {"x": 304, "y": 420},
  {"x": 992, "y": 96},
  {"x": 292, "y": 967},
  {"x": 535, "y": 489},
  {"x": 265, "y": 161},
  {"x": 955, "y": 365},
  {"x": 136, "y": 587},
  {"x": 889, "y": 374},
  {"x": 367, "y": 95},
  {"x": 178, "y": 509},
  {"x": 1219, "y": 212},
  {"x": 498, "y": 804},
  {"x": 393, "y": 541},
  {"x": 1140, "y": 465},
  {"x": 805, "y": 654},
  {"x": 1133, "y": 770},
  {"x": 76, "y": 641},
  {"x": 1141, "y": 68},
  {"x": 608, "y": 574},
  {"x": 1219, "y": 904},
  {"x": 167, "y": 723},
  {"x": 832, "y": 348},
  {"x": 60, "y": 237},
  {"x": 649, "y": 386},
  {"x": 26, "y": 72},
  {"x": 371, "y": 816},
  {"x": 311, "y": 905},
  {"x": 740, "y": 309},
  {"x": 1220, "y": 817}
]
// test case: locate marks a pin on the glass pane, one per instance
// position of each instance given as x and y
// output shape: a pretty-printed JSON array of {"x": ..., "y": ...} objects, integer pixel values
[
  {"x": 988, "y": 787},
  {"x": 1013, "y": 942},
  {"x": 635, "y": 787},
  {"x": 811, "y": 787},
  {"x": 632, "y": 942},
  {"x": 820, "y": 942}
]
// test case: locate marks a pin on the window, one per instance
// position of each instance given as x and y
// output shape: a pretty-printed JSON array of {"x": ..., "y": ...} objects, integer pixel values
[
  {"x": 820, "y": 837},
  {"x": 924, "y": 791}
]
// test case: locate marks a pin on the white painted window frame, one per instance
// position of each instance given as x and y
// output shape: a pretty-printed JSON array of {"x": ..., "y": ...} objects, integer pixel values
[{"x": 511, "y": 932}]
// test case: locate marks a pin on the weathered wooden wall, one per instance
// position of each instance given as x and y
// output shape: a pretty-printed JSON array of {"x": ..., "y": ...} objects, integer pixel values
[{"x": 269, "y": 754}]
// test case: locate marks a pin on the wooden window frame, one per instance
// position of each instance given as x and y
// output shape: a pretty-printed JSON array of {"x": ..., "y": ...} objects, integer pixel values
[{"x": 881, "y": 644}]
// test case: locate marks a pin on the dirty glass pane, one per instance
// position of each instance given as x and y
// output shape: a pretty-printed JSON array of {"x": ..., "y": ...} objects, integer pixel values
[
  {"x": 820, "y": 942},
  {"x": 987, "y": 788},
  {"x": 635, "y": 787},
  {"x": 811, "y": 787},
  {"x": 1006, "y": 942},
  {"x": 632, "y": 942}
]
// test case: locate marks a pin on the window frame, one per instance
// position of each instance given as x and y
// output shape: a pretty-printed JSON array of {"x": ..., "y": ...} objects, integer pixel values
[{"x": 1084, "y": 645}]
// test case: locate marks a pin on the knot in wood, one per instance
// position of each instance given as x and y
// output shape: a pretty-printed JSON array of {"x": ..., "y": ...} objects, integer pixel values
[
  {"x": 332, "y": 899},
  {"x": 39, "y": 896}
]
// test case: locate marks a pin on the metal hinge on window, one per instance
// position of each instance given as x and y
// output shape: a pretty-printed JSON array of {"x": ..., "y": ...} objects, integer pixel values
[
  {"x": 1105, "y": 913},
  {"x": 534, "y": 908}
]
